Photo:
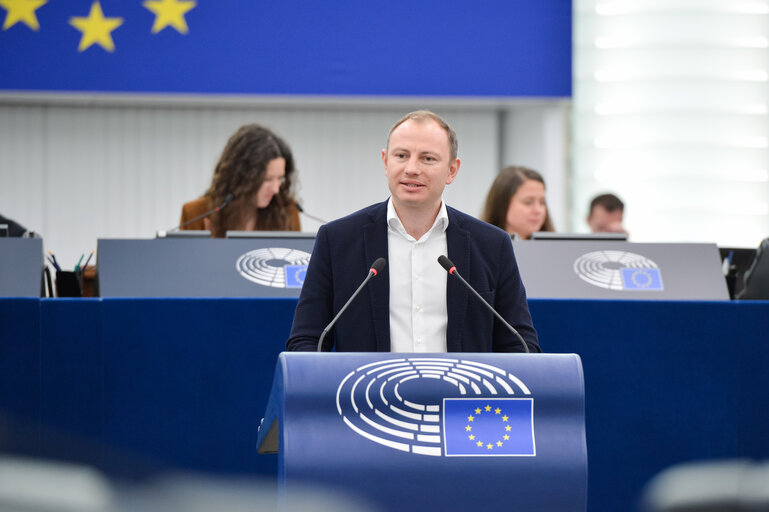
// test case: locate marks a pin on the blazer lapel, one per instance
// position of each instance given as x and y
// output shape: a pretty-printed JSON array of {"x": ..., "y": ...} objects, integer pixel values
[
  {"x": 375, "y": 243},
  {"x": 458, "y": 243}
]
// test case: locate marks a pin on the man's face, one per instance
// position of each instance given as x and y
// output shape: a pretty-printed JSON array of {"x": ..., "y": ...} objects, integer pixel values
[
  {"x": 418, "y": 164},
  {"x": 602, "y": 220}
]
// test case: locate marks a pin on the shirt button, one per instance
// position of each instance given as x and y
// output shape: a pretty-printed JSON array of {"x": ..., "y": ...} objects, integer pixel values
[{"x": 417, "y": 308}]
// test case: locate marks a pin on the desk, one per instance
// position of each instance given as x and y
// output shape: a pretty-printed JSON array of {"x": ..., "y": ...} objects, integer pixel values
[{"x": 142, "y": 385}]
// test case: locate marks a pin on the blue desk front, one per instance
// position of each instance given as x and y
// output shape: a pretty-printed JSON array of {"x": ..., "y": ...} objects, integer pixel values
[{"x": 141, "y": 385}]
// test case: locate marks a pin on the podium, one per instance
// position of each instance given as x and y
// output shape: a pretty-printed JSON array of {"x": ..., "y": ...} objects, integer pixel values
[{"x": 431, "y": 431}]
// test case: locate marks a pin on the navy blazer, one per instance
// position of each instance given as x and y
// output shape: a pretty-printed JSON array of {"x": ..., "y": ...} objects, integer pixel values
[{"x": 346, "y": 248}]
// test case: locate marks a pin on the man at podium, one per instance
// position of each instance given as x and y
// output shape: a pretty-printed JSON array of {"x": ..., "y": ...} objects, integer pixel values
[{"x": 413, "y": 304}]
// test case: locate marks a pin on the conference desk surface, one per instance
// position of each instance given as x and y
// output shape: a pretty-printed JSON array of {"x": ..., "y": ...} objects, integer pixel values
[{"x": 143, "y": 385}]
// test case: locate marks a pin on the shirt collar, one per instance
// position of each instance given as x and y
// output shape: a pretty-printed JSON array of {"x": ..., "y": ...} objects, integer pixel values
[{"x": 441, "y": 221}]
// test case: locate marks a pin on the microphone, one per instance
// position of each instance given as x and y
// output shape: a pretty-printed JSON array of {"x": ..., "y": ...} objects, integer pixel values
[
  {"x": 313, "y": 217},
  {"x": 227, "y": 200},
  {"x": 375, "y": 269},
  {"x": 452, "y": 270}
]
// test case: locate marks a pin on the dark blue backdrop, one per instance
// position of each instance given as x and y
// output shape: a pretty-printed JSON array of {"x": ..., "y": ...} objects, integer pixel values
[
  {"x": 436, "y": 48},
  {"x": 139, "y": 385}
]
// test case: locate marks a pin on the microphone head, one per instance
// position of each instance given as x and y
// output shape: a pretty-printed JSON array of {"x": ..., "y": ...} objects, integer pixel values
[
  {"x": 299, "y": 207},
  {"x": 378, "y": 265},
  {"x": 446, "y": 263},
  {"x": 227, "y": 199}
]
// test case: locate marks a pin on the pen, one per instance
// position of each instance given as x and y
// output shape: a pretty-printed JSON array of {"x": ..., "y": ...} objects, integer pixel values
[
  {"x": 77, "y": 267},
  {"x": 88, "y": 259},
  {"x": 55, "y": 263},
  {"x": 53, "y": 260}
]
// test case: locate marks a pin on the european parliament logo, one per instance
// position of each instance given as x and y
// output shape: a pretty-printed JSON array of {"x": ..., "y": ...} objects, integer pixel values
[
  {"x": 619, "y": 270},
  {"x": 439, "y": 407},
  {"x": 276, "y": 267}
]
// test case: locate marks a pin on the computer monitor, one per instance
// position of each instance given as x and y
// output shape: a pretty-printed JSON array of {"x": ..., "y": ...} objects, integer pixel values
[
  {"x": 187, "y": 233},
  {"x": 601, "y": 237},
  {"x": 270, "y": 234},
  {"x": 757, "y": 276}
]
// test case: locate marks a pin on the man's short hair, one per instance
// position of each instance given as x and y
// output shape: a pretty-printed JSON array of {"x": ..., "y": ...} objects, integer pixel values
[
  {"x": 426, "y": 115},
  {"x": 609, "y": 202}
]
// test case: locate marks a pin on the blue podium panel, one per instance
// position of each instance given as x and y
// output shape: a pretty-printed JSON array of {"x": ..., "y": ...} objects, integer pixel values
[
  {"x": 72, "y": 380},
  {"x": 193, "y": 267},
  {"x": 432, "y": 431},
  {"x": 20, "y": 375},
  {"x": 185, "y": 382},
  {"x": 21, "y": 267}
]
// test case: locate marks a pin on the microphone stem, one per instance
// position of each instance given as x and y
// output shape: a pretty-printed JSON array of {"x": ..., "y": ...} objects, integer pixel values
[
  {"x": 313, "y": 217},
  {"x": 510, "y": 327},
  {"x": 347, "y": 304}
]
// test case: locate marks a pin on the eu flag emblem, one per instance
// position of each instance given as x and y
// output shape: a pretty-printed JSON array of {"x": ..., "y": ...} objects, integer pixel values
[
  {"x": 642, "y": 279},
  {"x": 295, "y": 275},
  {"x": 489, "y": 427}
]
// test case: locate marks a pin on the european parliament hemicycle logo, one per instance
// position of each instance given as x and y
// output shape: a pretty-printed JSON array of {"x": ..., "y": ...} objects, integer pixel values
[
  {"x": 474, "y": 409},
  {"x": 276, "y": 267},
  {"x": 619, "y": 270}
]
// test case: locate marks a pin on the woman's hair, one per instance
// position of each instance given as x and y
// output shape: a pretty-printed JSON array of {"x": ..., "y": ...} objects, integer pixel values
[
  {"x": 506, "y": 184},
  {"x": 241, "y": 171}
]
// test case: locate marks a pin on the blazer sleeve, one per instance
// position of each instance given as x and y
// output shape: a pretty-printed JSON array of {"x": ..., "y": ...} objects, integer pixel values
[
  {"x": 315, "y": 306},
  {"x": 294, "y": 224},
  {"x": 511, "y": 303},
  {"x": 192, "y": 209}
]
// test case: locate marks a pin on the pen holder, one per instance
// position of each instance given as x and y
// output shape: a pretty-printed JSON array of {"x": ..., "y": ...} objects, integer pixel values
[{"x": 69, "y": 283}]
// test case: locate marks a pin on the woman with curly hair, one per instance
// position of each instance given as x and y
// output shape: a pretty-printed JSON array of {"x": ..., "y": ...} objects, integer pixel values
[
  {"x": 516, "y": 202},
  {"x": 257, "y": 169}
]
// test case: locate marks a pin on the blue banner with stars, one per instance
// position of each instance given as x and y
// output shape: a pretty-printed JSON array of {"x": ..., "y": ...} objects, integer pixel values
[
  {"x": 296, "y": 47},
  {"x": 485, "y": 428}
]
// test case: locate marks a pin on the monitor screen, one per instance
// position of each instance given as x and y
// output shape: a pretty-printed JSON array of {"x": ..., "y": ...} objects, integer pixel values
[
  {"x": 603, "y": 237},
  {"x": 269, "y": 234}
]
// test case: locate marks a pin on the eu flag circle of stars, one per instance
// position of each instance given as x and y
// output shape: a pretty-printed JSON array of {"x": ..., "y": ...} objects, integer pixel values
[{"x": 496, "y": 414}]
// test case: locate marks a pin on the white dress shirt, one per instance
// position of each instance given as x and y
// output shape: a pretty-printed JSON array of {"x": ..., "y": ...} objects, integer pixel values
[{"x": 418, "y": 315}]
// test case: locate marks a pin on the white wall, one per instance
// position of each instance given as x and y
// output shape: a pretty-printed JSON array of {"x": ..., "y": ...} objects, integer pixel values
[
  {"x": 81, "y": 168},
  {"x": 671, "y": 111}
]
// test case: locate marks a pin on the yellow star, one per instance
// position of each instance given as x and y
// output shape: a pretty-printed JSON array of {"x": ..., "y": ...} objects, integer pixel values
[
  {"x": 468, "y": 428},
  {"x": 479, "y": 444},
  {"x": 169, "y": 13},
  {"x": 478, "y": 411},
  {"x": 499, "y": 443},
  {"x": 21, "y": 10},
  {"x": 471, "y": 437},
  {"x": 508, "y": 428},
  {"x": 504, "y": 418},
  {"x": 506, "y": 437},
  {"x": 96, "y": 29},
  {"x": 488, "y": 408},
  {"x": 489, "y": 446},
  {"x": 470, "y": 418},
  {"x": 497, "y": 410}
]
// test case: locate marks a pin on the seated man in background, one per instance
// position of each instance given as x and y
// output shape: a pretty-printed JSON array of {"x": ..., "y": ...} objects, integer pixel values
[
  {"x": 605, "y": 214},
  {"x": 256, "y": 170},
  {"x": 14, "y": 228},
  {"x": 413, "y": 305}
]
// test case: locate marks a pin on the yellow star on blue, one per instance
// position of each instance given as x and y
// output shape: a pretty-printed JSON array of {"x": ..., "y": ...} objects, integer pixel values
[
  {"x": 21, "y": 11},
  {"x": 169, "y": 13},
  {"x": 96, "y": 29}
]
